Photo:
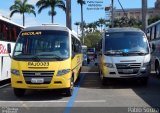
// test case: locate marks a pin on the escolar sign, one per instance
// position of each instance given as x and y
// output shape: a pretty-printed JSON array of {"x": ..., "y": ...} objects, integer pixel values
[{"x": 31, "y": 33}]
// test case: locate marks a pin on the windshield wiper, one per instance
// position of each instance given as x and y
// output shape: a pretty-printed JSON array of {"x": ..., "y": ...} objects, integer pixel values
[
  {"x": 51, "y": 54},
  {"x": 114, "y": 52},
  {"x": 137, "y": 52},
  {"x": 35, "y": 57}
]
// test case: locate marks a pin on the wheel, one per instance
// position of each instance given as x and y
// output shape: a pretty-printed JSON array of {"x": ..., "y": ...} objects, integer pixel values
[
  {"x": 157, "y": 70},
  {"x": 69, "y": 91},
  {"x": 19, "y": 92}
]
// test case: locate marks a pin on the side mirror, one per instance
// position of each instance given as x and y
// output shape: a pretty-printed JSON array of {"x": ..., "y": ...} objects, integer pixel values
[{"x": 9, "y": 49}]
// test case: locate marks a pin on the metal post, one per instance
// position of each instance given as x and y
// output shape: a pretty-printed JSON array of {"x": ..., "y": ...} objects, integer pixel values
[
  {"x": 68, "y": 14},
  {"x": 144, "y": 15},
  {"x": 112, "y": 19},
  {"x": 82, "y": 23}
]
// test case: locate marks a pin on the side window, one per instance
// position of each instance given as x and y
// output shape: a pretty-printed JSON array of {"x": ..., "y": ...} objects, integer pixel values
[
  {"x": 158, "y": 31},
  {"x": 152, "y": 36},
  {"x": 149, "y": 34},
  {"x": 76, "y": 45}
]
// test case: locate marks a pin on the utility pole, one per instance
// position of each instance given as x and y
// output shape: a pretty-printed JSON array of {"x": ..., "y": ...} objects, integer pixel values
[
  {"x": 144, "y": 15},
  {"x": 68, "y": 14},
  {"x": 82, "y": 23},
  {"x": 112, "y": 13}
]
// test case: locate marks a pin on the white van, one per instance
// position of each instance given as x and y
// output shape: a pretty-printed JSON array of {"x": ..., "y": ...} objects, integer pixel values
[{"x": 124, "y": 53}]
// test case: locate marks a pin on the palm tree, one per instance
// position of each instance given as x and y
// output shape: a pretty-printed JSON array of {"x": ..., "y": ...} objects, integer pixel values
[
  {"x": 101, "y": 22},
  {"x": 81, "y": 2},
  {"x": 77, "y": 24},
  {"x": 43, "y": 4},
  {"x": 22, "y": 7}
]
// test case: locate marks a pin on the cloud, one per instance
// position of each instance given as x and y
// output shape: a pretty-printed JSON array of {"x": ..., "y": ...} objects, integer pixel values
[
  {"x": 33, "y": 2},
  {"x": 31, "y": 21}
]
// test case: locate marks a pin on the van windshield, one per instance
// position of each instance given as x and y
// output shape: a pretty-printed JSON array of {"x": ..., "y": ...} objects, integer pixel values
[
  {"x": 126, "y": 43},
  {"x": 38, "y": 45}
]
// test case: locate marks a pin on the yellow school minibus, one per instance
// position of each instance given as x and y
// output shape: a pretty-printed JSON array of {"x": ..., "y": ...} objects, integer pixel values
[{"x": 45, "y": 57}]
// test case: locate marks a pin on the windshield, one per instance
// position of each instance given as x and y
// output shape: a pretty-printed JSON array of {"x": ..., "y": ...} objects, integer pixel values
[
  {"x": 42, "y": 45},
  {"x": 126, "y": 42}
]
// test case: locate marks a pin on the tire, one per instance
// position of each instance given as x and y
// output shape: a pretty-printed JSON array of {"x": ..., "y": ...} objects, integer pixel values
[
  {"x": 157, "y": 70},
  {"x": 69, "y": 91},
  {"x": 19, "y": 92}
]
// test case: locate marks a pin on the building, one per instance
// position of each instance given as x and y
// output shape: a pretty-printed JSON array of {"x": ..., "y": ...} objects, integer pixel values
[{"x": 137, "y": 12}]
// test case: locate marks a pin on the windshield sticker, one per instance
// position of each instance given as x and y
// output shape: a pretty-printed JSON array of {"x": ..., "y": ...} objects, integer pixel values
[
  {"x": 31, "y": 33},
  {"x": 126, "y": 50}
]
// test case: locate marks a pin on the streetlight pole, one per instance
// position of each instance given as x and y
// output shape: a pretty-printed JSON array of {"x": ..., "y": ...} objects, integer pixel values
[
  {"x": 144, "y": 15},
  {"x": 82, "y": 23},
  {"x": 68, "y": 14},
  {"x": 112, "y": 19}
]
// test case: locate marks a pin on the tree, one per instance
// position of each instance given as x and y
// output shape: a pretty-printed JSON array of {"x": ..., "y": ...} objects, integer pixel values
[
  {"x": 22, "y": 7},
  {"x": 43, "y": 4},
  {"x": 81, "y": 2},
  {"x": 125, "y": 22},
  {"x": 91, "y": 39},
  {"x": 92, "y": 26},
  {"x": 153, "y": 19},
  {"x": 101, "y": 22},
  {"x": 77, "y": 24}
]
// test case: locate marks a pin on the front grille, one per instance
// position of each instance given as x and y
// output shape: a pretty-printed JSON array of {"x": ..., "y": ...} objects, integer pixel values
[
  {"x": 128, "y": 68},
  {"x": 45, "y": 75}
]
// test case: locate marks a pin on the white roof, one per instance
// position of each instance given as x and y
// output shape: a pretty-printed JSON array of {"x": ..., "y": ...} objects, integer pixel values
[{"x": 9, "y": 21}]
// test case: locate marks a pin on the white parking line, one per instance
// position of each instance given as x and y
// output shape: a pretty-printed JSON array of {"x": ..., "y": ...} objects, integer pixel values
[
  {"x": 4, "y": 85},
  {"x": 90, "y": 101},
  {"x": 77, "y": 101}
]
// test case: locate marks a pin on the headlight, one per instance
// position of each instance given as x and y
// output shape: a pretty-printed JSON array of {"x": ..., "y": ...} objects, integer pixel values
[
  {"x": 63, "y": 72},
  {"x": 15, "y": 72},
  {"x": 109, "y": 65},
  {"x": 146, "y": 64}
]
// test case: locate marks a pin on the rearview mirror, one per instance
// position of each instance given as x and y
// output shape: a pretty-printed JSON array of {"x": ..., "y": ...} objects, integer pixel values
[{"x": 9, "y": 49}]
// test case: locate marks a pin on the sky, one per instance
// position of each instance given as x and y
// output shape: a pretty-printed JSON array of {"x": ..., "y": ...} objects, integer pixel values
[{"x": 60, "y": 18}]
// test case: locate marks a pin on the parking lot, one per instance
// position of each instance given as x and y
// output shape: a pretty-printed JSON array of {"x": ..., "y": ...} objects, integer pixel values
[{"x": 89, "y": 96}]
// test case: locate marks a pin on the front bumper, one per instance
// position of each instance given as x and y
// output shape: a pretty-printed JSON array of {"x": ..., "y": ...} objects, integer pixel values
[
  {"x": 113, "y": 73},
  {"x": 57, "y": 82}
]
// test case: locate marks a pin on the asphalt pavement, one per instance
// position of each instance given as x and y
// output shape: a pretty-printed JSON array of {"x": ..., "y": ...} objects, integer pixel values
[{"x": 119, "y": 96}]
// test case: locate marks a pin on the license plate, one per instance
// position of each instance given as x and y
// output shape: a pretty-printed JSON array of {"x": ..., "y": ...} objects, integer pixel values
[
  {"x": 127, "y": 70},
  {"x": 37, "y": 80}
]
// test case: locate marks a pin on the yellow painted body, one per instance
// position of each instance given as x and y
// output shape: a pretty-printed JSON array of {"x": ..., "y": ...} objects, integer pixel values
[
  {"x": 103, "y": 68},
  {"x": 74, "y": 64}
]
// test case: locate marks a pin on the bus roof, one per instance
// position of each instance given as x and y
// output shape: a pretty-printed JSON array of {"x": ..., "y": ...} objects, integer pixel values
[
  {"x": 50, "y": 27},
  {"x": 5, "y": 19},
  {"x": 123, "y": 29}
]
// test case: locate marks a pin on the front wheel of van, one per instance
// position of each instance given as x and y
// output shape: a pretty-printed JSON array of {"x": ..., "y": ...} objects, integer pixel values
[
  {"x": 19, "y": 92},
  {"x": 69, "y": 91}
]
